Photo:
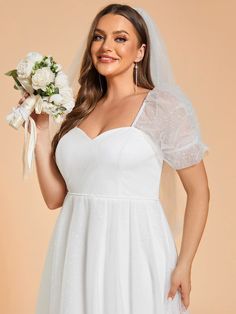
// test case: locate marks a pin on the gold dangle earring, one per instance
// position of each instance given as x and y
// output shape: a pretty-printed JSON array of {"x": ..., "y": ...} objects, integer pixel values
[{"x": 136, "y": 76}]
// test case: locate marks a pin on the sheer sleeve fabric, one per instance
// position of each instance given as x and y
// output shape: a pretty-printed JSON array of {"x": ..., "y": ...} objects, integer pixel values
[{"x": 173, "y": 126}]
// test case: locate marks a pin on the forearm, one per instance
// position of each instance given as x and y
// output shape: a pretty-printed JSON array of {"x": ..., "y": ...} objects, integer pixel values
[
  {"x": 195, "y": 217},
  {"x": 51, "y": 183}
]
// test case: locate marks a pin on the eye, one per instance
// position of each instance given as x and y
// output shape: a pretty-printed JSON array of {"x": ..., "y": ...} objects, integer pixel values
[
  {"x": 123, "y": 38},
  {"x": 95, "y": 36}
]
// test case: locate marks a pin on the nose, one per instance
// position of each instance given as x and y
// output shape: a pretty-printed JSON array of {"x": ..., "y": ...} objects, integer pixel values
[{"x": 107, "y": 44}]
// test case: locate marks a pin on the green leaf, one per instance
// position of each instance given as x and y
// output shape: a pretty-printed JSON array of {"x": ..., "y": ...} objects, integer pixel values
[
  {"x": 56, "y": 90},
  {"x": 10, "y": 73},
  {"x": 16, "y": 80}
]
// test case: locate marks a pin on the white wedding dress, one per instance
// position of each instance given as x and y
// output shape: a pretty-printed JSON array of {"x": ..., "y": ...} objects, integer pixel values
[{"x": 112, "y": 250}]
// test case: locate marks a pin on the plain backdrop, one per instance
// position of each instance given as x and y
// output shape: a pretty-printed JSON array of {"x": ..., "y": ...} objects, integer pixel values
[{"x": 200, "y": 38}]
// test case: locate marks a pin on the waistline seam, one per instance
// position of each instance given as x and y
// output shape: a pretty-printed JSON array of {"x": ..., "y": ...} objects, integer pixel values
[{"x": 114, "y": 196}]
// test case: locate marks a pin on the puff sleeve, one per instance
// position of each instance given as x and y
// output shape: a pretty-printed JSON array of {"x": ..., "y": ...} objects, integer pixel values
[{"x": 180, "y": 138}]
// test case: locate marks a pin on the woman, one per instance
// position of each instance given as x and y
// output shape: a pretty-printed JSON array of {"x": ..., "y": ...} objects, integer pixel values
[{"x": 112, "y": 251}]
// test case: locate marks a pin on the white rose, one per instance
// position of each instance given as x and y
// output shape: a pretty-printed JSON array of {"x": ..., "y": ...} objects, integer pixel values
[
  {"x": 67, "y": 98},
  {"x": 47, "y": 107},
  {"x": 24, "y": 68},
  {"x": 34, "y": 57},
  {"x": 56, "y": 98},
  {"x": 61, "y": 80},
  {"x": 69, "y": 105},
  {"x": 42, "y": 78}
]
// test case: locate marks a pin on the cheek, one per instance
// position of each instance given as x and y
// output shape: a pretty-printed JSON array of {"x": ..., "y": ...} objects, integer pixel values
[
  {"x": 126, "y": 50},
  {"x": 93, "y": 49}
]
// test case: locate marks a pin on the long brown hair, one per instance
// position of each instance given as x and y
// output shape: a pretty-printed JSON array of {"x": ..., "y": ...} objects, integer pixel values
[{"x": 90, "y": 92}]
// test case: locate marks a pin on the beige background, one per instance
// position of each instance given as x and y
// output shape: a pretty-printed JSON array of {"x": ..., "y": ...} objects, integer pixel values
[{"x": 200, "y": 37}]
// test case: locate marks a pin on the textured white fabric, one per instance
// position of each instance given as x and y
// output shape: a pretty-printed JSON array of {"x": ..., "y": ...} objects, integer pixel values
[
  {"x": 112, "y": 250},
  {"x": 173, "y": 126}
]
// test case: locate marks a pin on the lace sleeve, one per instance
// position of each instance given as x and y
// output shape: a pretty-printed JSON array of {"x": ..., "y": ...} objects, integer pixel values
[
  {"x": 180, "y": 137},
  {"x": 170, "y": 121}
]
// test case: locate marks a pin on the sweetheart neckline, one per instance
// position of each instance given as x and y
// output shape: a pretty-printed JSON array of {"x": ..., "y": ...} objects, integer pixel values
[
  {"x": 122, "y": 127},
  {"x": 103, "y": 133}
]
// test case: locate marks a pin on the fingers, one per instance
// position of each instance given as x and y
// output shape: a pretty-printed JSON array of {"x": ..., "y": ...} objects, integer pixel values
[
  {"x": 185, "y": 300},
  {"x": 25, "y": 95},
  {"x": 21, "y": 101},
  {"x": 173, "y": 289},
  {"x": 185, "y": 292}
]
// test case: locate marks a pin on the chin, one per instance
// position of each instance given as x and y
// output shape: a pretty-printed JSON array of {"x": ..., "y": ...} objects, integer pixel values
[{"x": 106, "y": 72}]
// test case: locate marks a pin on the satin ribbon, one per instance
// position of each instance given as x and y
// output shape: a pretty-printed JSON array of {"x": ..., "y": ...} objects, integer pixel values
[{"x": 29, "y": 147}]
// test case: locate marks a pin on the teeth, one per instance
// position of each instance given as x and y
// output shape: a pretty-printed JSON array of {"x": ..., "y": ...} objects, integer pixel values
[{"x": 106, "y": 58}]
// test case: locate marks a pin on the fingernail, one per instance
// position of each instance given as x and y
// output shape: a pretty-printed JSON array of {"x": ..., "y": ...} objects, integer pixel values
[{"x": 170, "y": 299}]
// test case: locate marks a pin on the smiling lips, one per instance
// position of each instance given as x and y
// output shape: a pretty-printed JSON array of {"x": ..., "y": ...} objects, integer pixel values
[{"x": 106, "y": 59}]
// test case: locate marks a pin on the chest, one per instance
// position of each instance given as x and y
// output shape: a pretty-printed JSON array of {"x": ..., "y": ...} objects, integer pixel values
[{"x": 108, "y": 116}]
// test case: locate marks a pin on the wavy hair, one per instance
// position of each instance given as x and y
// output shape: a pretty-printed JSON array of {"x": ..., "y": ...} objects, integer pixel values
[{"x": 90, "y": 92}]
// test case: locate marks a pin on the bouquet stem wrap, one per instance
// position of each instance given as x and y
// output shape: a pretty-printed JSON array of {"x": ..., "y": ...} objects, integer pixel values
[{"x": 16, "y": 118}]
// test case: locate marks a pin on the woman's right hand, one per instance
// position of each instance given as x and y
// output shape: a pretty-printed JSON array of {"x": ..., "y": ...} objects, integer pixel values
[{"x": 41, "y": 120}]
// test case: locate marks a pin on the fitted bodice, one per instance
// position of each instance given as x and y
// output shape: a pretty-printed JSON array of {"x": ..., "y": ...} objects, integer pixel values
[{"x": 122, "y": 160}]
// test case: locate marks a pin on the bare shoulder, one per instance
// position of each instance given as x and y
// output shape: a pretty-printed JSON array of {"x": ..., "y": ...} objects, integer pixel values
[{"x": 140, "y": 93}]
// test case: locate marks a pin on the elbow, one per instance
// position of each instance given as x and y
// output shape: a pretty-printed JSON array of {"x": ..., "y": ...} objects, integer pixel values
[
  {"x": 51, "y": 206},
  {"x": 200, "y": 192},
  {"x": 57, "y": 200},
  {"x": 54, "y": 206}
]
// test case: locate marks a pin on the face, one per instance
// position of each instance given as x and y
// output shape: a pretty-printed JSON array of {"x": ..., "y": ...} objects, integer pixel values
[{"x": 115, "y": 36}]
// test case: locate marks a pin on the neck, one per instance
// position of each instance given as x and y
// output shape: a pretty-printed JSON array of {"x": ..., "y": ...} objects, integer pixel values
[{"x": 120, "y": 86}]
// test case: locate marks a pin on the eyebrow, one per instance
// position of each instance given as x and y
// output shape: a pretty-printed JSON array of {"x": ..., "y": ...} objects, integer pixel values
[{"x": 115, "y": 32}]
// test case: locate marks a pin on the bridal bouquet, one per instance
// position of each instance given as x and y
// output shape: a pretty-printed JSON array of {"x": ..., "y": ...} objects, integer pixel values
[{"x": 49, "y": 92}]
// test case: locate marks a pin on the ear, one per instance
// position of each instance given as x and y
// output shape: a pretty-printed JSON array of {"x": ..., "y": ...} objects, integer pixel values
[{"x": 140, "y": 54}]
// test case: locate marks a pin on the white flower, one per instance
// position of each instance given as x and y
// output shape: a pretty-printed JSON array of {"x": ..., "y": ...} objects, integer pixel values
[
  {"x": 42, "y": 78},
  {"x": 34, "y": 56},
  {"x": 56, "y": 98},
  {"x": 47, "y": 107},
  {"x": 61, "y": 80},
  {"x": 24, "y": 68},
  {"x": 68, "y": 99},
  {"x": 69, "y": 105}
]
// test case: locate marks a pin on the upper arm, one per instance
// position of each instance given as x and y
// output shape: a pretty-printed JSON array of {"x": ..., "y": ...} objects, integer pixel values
[
  {"x": 180, "y": 137},
  {"x": 194, "y": 178}
]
